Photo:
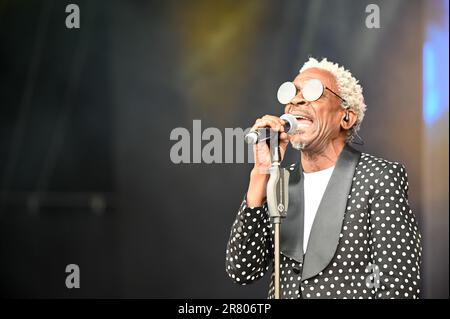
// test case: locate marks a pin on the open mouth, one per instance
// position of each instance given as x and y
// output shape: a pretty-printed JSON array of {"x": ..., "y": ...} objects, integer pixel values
[{"x": 303, "y": 120}]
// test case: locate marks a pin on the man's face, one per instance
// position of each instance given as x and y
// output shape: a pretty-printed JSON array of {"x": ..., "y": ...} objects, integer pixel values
[{"x": 323, "y": 116}]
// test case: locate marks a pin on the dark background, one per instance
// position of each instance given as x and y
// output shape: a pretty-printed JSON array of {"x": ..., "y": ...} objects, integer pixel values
[{"x": 86, "y": 115}]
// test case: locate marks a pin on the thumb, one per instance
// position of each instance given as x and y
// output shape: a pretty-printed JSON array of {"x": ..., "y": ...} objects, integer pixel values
[
  {"x": 284, "y": 140},
  {"x": 283, "y": 145}
]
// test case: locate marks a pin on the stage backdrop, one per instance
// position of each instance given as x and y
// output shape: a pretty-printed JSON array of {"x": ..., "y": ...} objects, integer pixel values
[{"x": 87, "y": 113}]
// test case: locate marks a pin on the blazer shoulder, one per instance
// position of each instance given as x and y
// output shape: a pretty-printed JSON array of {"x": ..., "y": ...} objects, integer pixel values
[
  {"x": 377, "y": 163},
  {"x": 380, "y": 168}
]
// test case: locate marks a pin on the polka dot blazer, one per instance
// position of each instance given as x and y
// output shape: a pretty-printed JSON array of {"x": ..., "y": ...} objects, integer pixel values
[{"x": 364, "y": 242}]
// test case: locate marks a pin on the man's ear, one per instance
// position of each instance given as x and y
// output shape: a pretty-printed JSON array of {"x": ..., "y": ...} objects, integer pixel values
[{"x": 348, "y": 120}]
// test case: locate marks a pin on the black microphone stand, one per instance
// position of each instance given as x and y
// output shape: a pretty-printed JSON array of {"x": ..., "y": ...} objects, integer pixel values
[{"x": 277, "y": 201}]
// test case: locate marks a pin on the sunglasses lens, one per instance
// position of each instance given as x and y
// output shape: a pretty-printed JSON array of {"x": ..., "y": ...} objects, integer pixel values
[
  {"x": 286, "y": 92},
  {"x": 312, "y": 90}
]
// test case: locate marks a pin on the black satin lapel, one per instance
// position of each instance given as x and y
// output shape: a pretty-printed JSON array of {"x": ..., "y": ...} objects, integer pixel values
[
  {"x": 291, "y": 237},
  {"x": 327, "y": 225}
]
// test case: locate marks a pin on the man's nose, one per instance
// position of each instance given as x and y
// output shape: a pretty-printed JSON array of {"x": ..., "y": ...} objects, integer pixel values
[{"x": 298, "y": 100}]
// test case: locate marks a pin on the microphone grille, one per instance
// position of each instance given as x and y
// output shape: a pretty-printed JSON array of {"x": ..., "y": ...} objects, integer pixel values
[
  {"x": 251, "y": 138},
  {"x": 291, "y": 122}
]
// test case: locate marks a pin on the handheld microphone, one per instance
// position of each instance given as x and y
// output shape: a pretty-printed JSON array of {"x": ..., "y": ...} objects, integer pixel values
[{"x": 262, "y": 134}]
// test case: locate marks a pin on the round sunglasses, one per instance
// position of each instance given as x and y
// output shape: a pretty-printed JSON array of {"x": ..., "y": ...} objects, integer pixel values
[{"x": 311, "y": 90}]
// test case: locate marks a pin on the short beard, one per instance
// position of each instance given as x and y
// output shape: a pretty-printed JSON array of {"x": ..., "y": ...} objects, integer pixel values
[{"x": 298, "y": 146}]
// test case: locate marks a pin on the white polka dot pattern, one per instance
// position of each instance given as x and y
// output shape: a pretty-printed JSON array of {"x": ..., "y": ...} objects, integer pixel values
[{"x": 379, "y": 232}]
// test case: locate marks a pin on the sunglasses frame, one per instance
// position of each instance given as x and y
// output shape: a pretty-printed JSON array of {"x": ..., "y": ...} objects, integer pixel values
[{"x": 324, "y": 87}]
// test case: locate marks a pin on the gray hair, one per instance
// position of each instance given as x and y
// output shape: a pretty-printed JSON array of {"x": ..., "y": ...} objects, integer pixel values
[{"x": 349, "y": 89}]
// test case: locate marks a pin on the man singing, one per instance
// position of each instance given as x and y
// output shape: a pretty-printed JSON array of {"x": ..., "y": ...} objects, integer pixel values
[{"x": 349, "y": 230}]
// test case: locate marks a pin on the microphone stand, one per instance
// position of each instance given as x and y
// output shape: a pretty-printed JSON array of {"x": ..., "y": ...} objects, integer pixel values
[{"x": 277, "y": 201}]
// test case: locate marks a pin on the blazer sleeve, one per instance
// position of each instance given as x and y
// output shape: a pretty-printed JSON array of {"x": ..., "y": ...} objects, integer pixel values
[
  {"x": 249, "y": 249},
  {"x": 395, "y": 240}
]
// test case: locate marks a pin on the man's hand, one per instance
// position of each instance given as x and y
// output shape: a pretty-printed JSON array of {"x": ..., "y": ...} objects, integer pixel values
[{"x": 259, "y": 176}]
